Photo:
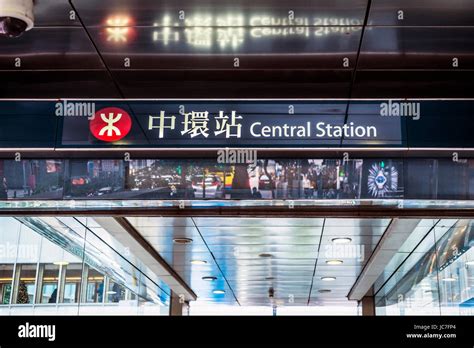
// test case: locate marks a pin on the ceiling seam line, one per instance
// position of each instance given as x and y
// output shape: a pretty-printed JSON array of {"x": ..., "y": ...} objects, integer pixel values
[
  {"x": 214, "y": 258},
  {"x": 119, "y": 90},
  {"x": 109, "y": 71},
  {"x": 316, "y": 261},
  {"x": 351, "y": 85}
]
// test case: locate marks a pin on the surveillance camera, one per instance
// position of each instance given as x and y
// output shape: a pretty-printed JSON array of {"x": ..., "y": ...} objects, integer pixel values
[{"x": 16, "y": 17}]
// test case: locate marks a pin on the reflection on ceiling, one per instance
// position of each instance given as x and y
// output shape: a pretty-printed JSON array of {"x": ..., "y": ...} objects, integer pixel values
[
  {"x": 80, "y": 46},
  {"x": 265, "y": 261}
]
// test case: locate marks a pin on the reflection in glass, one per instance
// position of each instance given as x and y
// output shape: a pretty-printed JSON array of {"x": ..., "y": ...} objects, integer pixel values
[
  {"x": 456, "y": 265},
  {"x": 6, "y": 279},
  {"x": 49, "y": 286},
  {"x": 438, "y": 276},
  {"x": 167, "y": 179},
  {"x": 95, "y": 286},
  {"x": 72, "y": 283},
  {"x": 115, "y": 292},
  {"x": 26, "y": 284},
  {"x": 32, "y": 178}
]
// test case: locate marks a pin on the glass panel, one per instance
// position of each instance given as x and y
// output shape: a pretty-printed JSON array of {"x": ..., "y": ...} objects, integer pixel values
[
  {"x": 6, "y": 280},
  {"x": 95, "y": 286},
  {"x": 413, "y": 288},
  {"x": 72, "y": 283},
  {"x": 42, "y": 179},
  {"x": 115, "y": 292},
  {"x": 456, "y": 265},
  {"x": 49, "y": 291},
  {"x": 27, "y": 284}
]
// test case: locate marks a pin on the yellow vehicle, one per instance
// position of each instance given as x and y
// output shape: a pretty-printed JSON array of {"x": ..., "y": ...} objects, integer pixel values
[{"x": 229, "y": 177}]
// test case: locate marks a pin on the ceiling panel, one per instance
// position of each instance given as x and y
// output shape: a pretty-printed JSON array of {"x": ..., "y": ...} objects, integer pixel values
[
  {"x": 252, "y": 255},
  {"x": 256, "y": 222},
  {"x": 50, "y": 49},
  {"x": 417, "y": 48},
  {"x": 150, "y": 12},
  {"x": 234, "y": 83},
  {"x": 57, "y": 84},
  {"x": 54, "y": 13},
  {"x": 422, "y": 12},
  {"x": 216, "y": 48},
  {"x": 413, "y": 84}
]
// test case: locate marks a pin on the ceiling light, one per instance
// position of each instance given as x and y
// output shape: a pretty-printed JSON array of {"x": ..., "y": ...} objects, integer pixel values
[
  {"x": 209, "y": 278},
  {"x": 198, "y": 262},
  {"x": 328, "y": 279},
  {"x": 341, "y": 240},
  {"x": 449, "y": 279},
  {"x": 265, "y": 255},
  {"x": 182, "y": 240},
  {"x": 61, "y": 263},
  {"x": 322, "y": 291},
  {"x": 118, "y": 21},
  {"x": 470, "y": 263},
  {"x": 334, "y": 262},
  {"x": 218, "y": 292}
]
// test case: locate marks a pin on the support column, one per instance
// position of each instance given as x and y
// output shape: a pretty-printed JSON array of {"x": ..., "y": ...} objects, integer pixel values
[
  {"x": 178, "y": 306},
  {"x": 368, "y": 306}
]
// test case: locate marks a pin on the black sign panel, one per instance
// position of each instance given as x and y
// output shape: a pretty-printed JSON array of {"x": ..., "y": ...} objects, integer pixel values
[{"x": 237, "y": 123}]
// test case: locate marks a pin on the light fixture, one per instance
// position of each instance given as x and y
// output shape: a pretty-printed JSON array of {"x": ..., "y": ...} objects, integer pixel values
[
  {"x": 344, "y": 240},
  {"x": 334, "y": 262},
  {"x": 218, "y": 292},
  {"x": 61, "y": 263},
  {"x": 198, "y": 262},
  {"x": 323, "y": 291},
  {"x": 111, "y": 292},
  {"x": 449, "y": 279},
  {"x": 182, "y": 240},
  {"x": 118, "y": 29},
  {"x": 265, "y": 255},
  {"x": 209, "y": 278},
  {"x": 328, "y": 279},
  {"x": 470, "y": 263}
]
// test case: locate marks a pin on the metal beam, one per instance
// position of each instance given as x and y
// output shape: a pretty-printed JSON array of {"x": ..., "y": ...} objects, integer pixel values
[
  {"x": 126, "y": 234},
  {"x": 393, "y": 238}
]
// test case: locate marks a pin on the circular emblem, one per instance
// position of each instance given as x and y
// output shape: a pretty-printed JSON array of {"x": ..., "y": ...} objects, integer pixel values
[{"x": 110, "y": 124}]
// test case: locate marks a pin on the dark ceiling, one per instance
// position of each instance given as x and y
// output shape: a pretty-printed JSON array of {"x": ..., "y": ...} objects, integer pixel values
[{"x": 84, "y": 56}]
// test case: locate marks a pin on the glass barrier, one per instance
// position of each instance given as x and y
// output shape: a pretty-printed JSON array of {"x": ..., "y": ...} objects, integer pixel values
[
  {"x": 436, "y": 277},
  {"x": 58, "y": 266},
  {"x": 258, "y": 179}
]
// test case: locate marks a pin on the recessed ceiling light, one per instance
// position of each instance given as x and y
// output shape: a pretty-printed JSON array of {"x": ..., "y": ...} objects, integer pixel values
[
  {"x": 449, "y": 279},
  {"x": 328, "y": 279},
  {"x": 265, "y": 255},
  {"x": 210, "y": 278},
  {"x": 334, "y": 262},
  {"x": 182, "y": 240},
  {"x": 344, "y": 240},
  {"x": 61, "y": 263},
  {"x": 324, "y": 291},
  {"x": 218, "y": 292},
  {"x": 198, "y": 262}
]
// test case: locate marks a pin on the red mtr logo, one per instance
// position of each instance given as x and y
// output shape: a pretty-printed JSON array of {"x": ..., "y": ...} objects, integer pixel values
[{"x": 110, "y": 124}]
